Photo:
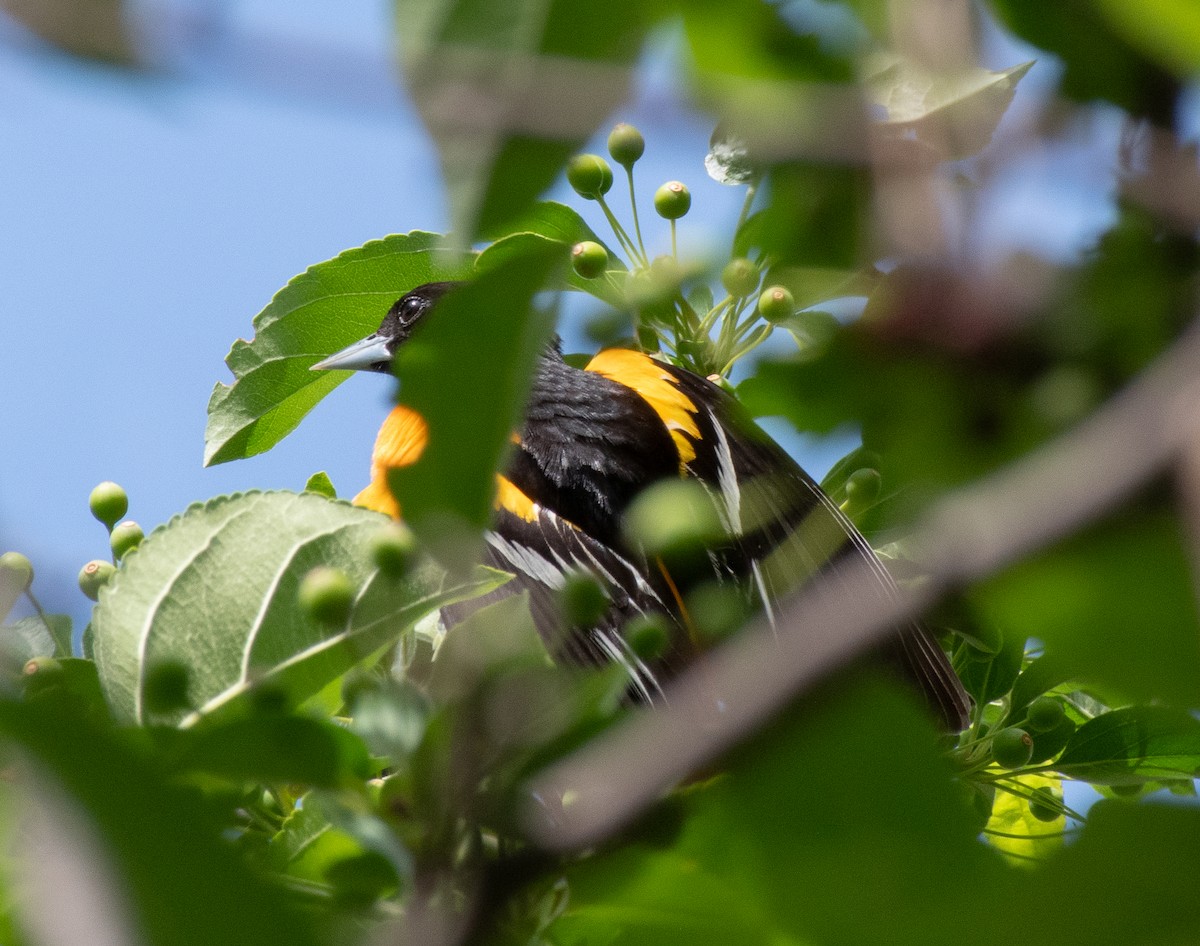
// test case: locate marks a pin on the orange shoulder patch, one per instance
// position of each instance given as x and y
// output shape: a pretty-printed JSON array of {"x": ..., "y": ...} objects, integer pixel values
[
  {"x": 510, "y": 497},
  {"x": 657, "y": 388},
  {"x": 400, "y": 442}
]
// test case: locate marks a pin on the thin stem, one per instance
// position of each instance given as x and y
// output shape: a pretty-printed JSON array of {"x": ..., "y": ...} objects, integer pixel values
[
  {"x": 619, "y": 231},
  {"x": 751, "y": 191},
  {"x": 637, "y": 227},
  {"x": 41, "y": 612},
  {"x": 674, "y": 246}
]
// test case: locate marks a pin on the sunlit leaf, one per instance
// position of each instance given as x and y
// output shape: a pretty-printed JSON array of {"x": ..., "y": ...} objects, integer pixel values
[
  {"x": 322, "y": 310},
  {"x": 238, "y": 561},
  {"x": 1014, "y": 830}
]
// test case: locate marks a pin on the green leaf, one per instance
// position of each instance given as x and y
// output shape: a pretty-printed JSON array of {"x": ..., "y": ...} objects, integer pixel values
[
  {"x": 1168, "y": 31},
  {"x": 270, "y": 749},
  {"x": 161, "y": 847},
  {"x": 510, "y": 90},
  {"x": 799, "y": 841},
  {"x": 1134, "y": 744},
  {"x": 467, "y": 373},
  {"x": 1100, "y": 60},
  {"x": 322, "y": 484},
  {"x": 215, "y": 590},
  {"x": 319, "y": 312},
  {"x": 1115, "y": 604},
  {"x": 557, "y": 223},
  {"x": 988, "y": 677},
  {"x": 25, "y": 639}
]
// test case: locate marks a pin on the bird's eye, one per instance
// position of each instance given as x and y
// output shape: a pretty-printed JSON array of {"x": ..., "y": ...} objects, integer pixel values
[{"x": 412, "y": 307}]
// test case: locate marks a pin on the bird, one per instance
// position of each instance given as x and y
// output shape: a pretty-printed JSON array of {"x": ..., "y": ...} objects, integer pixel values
[{"x": 592, "y": 440}]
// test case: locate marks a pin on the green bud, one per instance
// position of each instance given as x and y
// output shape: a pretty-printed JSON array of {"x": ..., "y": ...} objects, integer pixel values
[
  {"x": 1045, "y": 805},
  {"x": 672, "y": 200},
  {"x": 1044, "y": 714},
  {"x": 740, "y": 277},
  {"x": 590, "y": 175},
  {"x": 124, "y": 537},
  {"x": 356, "y": 683},
  {"x": 626, "y": 145},
  {"x": 589, "y": 259},
  {"x": 716, "y": 610},
  {"x": 394, "y": 549},
  {"x": 647, "y": 636},
  {"x": 776, "y": 304},
  {"x": 1012, "y": 748},
  {"x": 95, "y": 575},
  {"x": 583, "y": 599},
  {"x": 673, "y": 519},
  {"x": 108, "y": 503},
  {"x": 166, "y": 688},
  {"x": 18, "y": 569},
  {"x": 327, "y": 595},
  {"x": 862, "y": 490},
  {"x": 40, "y": 673}
]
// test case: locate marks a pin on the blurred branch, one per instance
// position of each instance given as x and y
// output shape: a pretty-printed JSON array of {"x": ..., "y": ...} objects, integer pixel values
[
  {"x": 968, "y": 536},
  {"x": 93, "y": 28}
]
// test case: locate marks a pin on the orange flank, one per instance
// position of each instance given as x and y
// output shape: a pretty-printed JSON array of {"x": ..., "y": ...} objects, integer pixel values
[
  {"x": 656, "y": 386},
  {"x": 400, "y": 443},
  {"x": 509, "y": 497}
]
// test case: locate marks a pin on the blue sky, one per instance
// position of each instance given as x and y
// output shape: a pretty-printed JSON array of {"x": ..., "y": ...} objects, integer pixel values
[{"x": 146, "y": 217}]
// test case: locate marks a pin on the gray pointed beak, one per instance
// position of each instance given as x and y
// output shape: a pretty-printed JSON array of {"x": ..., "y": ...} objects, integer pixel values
[{"x": 369, "y": 354}]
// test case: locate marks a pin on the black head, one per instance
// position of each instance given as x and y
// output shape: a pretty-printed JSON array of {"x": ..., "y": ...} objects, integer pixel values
[{"x": 374, "y": 353}]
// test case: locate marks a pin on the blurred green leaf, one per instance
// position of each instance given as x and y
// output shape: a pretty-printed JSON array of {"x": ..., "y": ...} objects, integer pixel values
[
  {"x": 319, "y": 312},
  {"x": 97, "y": 29},
  {"x": 509, "y": 91},
  {"x": 1168, "y": 31},
  {"x": 467, "y": 373},
  {"x": 238, "y": 561},
  {"x": 270, "y": 748},
  {"x": 183, "y": 884},
  {"x": 1100, "y": 62},
  {"x": 1115, "y": 604},
  {"x": 839, "y": 815},
  {"x": 988, "y": 677},
  {"x": 1134, "y": 744}
]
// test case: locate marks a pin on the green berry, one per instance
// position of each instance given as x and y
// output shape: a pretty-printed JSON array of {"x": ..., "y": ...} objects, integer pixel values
[
  {"x": 862, "y": 490},
  {"x": 589, "y": 259},
  {"x": 776, "y": 303},
  {"x": 108, "y": 503},
  {"x": 95, "y": 575},
  {"x": 672, "y": 200},
  {"x": 166, "y": 687},
  {"x": 1044, "y": 714},
  {"x": 394, "y": 549},
  {"x": 327, "y": 595},
  {"x": 584, "y": 600},
  {"x": 647, "y": 636},
  {"x": 1012, "y": 747},
  {"x": 1045, "y": 805},
  {"x": 18, "y": 568},
  {"x": 673, "y": 519},
  {"x": 590, "y": 175},
  {"x": 626, "y": 145},
  {"x": 124, "y": 537},
  {"x": 740, "y": 277}
]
